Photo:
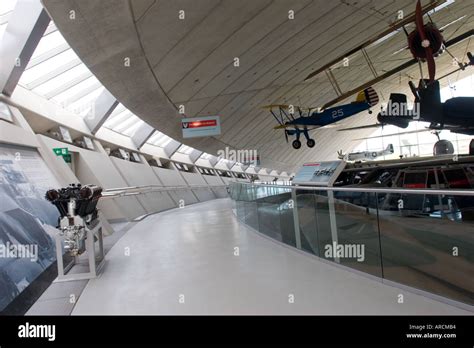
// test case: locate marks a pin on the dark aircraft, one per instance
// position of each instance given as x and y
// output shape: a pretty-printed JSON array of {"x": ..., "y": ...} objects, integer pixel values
[{"x": 455, "y": 114}]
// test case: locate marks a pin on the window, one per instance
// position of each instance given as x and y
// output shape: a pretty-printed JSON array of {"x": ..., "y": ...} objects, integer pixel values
[
  {"x": 159, "y": 139},
  {"x": 185, "y": 150}
]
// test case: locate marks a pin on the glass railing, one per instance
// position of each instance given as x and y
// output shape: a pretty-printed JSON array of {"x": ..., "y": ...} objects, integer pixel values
[{"x": 420, "y": 238}]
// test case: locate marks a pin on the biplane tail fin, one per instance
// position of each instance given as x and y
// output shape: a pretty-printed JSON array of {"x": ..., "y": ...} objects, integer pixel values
[{"x": 368, "y": 96}]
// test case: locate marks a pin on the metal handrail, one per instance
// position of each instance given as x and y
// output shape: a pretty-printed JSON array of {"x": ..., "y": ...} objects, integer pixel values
[
  {"x": 138, "y": 190},
  {"x": 457, "y": 192}
]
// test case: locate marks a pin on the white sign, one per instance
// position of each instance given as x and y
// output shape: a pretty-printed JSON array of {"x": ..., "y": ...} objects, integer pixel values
[
  {"x": 319, "y": 173},
  {"x": 205, "y": 126}
]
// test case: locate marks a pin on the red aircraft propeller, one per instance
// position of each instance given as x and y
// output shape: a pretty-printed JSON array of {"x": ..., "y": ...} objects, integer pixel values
[{"x": 425, "y": 42}]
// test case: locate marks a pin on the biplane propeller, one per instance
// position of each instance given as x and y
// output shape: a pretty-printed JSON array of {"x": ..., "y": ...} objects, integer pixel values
[
  {"x": 425, "y": 42},
  {"x": 311, "y": 118}
]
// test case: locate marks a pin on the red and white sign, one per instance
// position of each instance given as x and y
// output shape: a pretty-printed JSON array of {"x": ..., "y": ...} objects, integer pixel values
[{"x": 201, "y": 126}]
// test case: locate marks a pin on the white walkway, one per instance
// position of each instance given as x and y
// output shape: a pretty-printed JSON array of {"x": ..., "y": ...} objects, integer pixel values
[{"x": 187, "y": 255}]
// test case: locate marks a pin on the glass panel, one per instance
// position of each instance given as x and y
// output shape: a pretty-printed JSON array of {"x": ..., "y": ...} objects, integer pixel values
[
  {"x": 47, "y": 67},
  {"x": 159, "y": 139},
  {"x": 132, "y": 129},
  {"x": 268, "y": 213},
  {"x": 117, "y": 119},
  {"x": 7, "y": 6},
  {"x": 240, "y": 203},
  {"x": 306, "y": 204},
  {"x": 49, "y": 42},
  {"x": 184, "y": 149},
  {"x": 287, "y": 221},
  {"x": 3, "y": 27},
  {"x": 323, "y": 222},
  {"x": 86, "y": 103},
  {"x": 64, "y": 97},
  {"x": 62, "y": 79},
  {"x": 129, "y": 122},
  {"x": 251, "y": 214},
  {"x": 427, "y": 243},
  {"x": 423, "y": 241},
  {"x": 355, "y": 219}
]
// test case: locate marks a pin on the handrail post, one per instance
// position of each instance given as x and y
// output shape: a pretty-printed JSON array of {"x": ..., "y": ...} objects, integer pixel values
[
  {"x": 333, "y": 223},
  {"x": 296, "y": 219}
]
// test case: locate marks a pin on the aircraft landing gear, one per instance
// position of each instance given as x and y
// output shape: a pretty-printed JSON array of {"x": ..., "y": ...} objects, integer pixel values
[{"x": 296, "y": 144}]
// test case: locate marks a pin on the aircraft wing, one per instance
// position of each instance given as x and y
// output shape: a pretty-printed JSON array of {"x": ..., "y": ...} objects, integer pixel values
[
  {"x": 375, "y": 125},
  {"x": 461, "y": 130},
  {"x": 275, "y": 106},
  {"x": 389, "y": 135},
  {"x": 292, "y": 125}
]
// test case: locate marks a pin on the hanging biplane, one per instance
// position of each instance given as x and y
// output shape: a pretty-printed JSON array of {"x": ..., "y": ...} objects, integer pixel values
[
  {"x": 455, "y": 114},
  {"x": 310, "y": 118}
]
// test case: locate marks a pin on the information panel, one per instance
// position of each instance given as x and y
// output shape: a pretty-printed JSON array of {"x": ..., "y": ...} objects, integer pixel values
[
  {"x": 201, "y": 126},
  {"x": 319, "y": 173},
  {"x": 26, "y": 220}
]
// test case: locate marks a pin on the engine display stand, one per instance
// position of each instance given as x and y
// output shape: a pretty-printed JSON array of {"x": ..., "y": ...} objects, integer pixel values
[{"x": 96, "y": 261}]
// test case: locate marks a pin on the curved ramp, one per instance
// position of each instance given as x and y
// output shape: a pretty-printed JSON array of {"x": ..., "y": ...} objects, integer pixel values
[{"x": 187, "y": 255}]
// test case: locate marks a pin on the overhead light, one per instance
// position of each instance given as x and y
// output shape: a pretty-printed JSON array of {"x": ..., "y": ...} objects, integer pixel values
[
  {"x": 440, "y": 7},
  {"x": 455, "y": 21},
  {"x": 385, "y": 38}
]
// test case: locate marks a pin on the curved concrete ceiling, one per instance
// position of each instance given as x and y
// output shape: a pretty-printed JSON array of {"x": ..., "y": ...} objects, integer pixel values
[{"x": 190, "y": 61}]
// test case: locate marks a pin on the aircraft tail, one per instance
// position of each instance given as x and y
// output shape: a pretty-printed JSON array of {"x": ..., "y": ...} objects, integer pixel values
[
  {"x": 368, "y": 96},
  {"x": 389, "y": 148}
]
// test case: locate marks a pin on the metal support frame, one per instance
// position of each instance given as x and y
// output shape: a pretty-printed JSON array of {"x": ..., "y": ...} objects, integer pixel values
[
  {"x": 142, "y": 134},
  {"x": 394, "y": 71},
  {"x": 25, "y": 28},
  {"x": 171, "y": 148},
  {"x": 332, "y": 220},
  {"x": 333, "y": 81},
  {"x": 389, "y": 30},
  {"x": 296, "y": 219},
  {"x": 369, "y": 62},
  {"x": 96, "y": 262},
  {"x": 195, "y": 155},
  {"x": 103, "y": 107}
]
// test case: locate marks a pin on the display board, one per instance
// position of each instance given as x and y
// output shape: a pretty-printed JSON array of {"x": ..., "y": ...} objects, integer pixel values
[
  {"x": 26, "y": 246},
  {"x": 319, "y": 173},
  {"x": 204, "y": 126}
]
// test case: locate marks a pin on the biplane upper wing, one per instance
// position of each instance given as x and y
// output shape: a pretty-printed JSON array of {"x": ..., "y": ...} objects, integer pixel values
[{"x": 275, "y": 106}]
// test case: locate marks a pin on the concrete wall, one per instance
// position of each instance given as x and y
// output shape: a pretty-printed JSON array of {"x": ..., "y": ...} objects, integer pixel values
[
  {"x": 219, "y": 192},
  {"x": 32, "y": 114},
  {"x": 96, "y": 168},
  {"x": 139, "y": 174},
  {"x": 172, "y": 177}
]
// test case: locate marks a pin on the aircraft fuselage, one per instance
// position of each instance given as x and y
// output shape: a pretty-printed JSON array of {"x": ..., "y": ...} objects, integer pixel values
[{"x": 330, "y": 115}]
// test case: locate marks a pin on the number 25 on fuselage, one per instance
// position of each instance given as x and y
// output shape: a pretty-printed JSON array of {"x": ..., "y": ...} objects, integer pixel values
[{"x": 309, "y": 120}]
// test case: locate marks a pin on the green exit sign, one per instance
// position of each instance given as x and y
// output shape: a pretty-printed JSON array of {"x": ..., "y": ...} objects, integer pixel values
[
  {"x": 61, "y": 151},
  {"x": 64, "y": 152}
]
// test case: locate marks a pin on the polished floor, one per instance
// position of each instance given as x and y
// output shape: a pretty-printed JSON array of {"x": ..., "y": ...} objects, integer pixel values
[{"x": 185, "y": 261}]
